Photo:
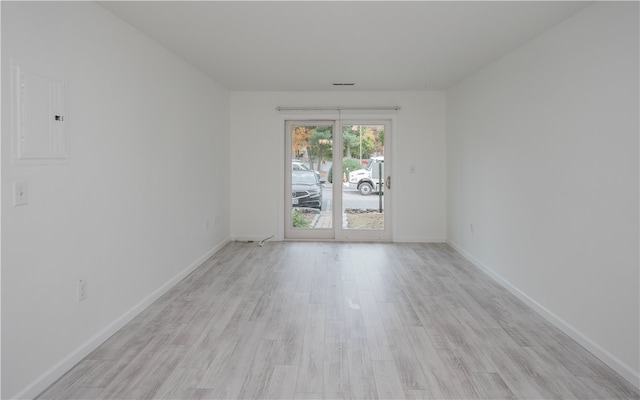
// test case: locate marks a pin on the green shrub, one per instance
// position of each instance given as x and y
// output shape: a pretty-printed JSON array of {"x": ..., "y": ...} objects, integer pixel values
[
  {"x": 348, "y": 165},
  {"x": 298, "y": 220}
]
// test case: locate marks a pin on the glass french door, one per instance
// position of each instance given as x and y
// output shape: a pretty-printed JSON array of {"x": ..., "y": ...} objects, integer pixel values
[
  {"x": 309, "y": 200},
  {"x": 337, "y": 180}
]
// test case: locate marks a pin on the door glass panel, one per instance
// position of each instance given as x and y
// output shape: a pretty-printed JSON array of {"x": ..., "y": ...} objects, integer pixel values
[
  {"x": 311, "y": 162},
  {"x": 363, "y": 177}
]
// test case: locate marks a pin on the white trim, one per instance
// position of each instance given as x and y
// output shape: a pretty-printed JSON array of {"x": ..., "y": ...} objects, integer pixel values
[
  {"x": 373, "y": 116},
  {"x": 1, "y": 269},
  {"x": 285, "y": 205},
  {"x": 386, "y": 233},
  {"x": 420, "y": 239},
  {"x": 63, "y": 366},
  {"x": 282, "y": 140},
  {"x": 254, "y": 238},
  {"x": 612, "y": 361},
  {"x": 338, "y": 108}
]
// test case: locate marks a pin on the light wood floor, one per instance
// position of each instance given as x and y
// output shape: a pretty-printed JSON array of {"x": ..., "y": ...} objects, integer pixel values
[{"x": 339, "y": 321}]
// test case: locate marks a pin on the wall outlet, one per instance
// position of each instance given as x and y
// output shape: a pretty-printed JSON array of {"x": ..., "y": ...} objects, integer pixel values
[
  {"x": 82, "y": 290},
  {"x": 20, "y": 193}
]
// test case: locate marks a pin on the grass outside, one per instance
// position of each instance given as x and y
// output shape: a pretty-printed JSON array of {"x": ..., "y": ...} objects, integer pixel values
[{"x": 301, "y": 218}]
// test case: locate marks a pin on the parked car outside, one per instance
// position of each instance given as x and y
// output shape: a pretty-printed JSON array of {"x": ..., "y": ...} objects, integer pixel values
[
  {"x": 298, "y": 166},
  {"x": 306, "y": 189}
]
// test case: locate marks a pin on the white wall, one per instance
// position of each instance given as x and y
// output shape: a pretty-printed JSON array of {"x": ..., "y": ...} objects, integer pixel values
[
  {"x": 257, "y": 159},
  {"x": 542, "y": 158},
  {"x": 148, "y": 168}
]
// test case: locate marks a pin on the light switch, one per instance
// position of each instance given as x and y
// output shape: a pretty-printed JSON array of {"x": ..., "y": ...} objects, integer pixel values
[{"x": 20, "y": 193}]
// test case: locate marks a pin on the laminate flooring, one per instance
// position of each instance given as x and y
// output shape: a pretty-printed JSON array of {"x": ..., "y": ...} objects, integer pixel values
[{"x": 307, "y": 320}]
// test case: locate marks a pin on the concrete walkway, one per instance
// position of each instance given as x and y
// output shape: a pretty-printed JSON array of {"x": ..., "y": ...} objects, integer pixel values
[{"x": 324, "y": 220}]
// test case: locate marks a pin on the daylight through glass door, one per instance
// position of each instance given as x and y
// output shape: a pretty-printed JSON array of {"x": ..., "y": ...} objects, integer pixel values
[
  {"x": 311, "y": 155},
  {"x": 337, "y": 180},
  {"x": 363, "y": 177}
]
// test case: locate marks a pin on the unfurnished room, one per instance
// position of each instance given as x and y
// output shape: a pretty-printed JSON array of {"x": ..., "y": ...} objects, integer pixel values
[{"x": 320, "y": 200}]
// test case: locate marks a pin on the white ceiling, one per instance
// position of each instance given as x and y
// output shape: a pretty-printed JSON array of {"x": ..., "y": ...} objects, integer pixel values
[{"x": 308, "y": 45}]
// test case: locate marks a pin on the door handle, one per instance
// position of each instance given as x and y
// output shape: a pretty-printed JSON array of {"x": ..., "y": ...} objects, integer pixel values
[{"x": 388, "y": 182}]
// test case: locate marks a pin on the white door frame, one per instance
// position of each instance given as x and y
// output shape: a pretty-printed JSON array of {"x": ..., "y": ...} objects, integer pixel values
[
  {"x": 324, "y": 116},
  {"x": 304, "y": 233},
  {"x": 383, "y": 235}
]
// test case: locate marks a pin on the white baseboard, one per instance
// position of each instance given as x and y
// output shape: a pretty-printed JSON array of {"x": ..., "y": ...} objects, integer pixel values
[
  {"x": 620, "y": 367},
  {"x": 252, "y": 238},
  {"x": 401, "y": 239},
  {"x": 60, "y": 368},
  {"x": 419, "y": 239}
]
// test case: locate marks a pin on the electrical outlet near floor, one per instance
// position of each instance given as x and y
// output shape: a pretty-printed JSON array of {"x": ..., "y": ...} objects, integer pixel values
[{"x": 82, "y": 290}]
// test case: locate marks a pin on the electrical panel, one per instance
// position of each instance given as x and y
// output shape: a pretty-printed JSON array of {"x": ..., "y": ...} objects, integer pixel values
[{"x": 40, "y": 117}]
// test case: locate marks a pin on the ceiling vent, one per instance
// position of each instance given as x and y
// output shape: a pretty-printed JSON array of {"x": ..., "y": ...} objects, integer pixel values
[{"x": 343, "y": 84}]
